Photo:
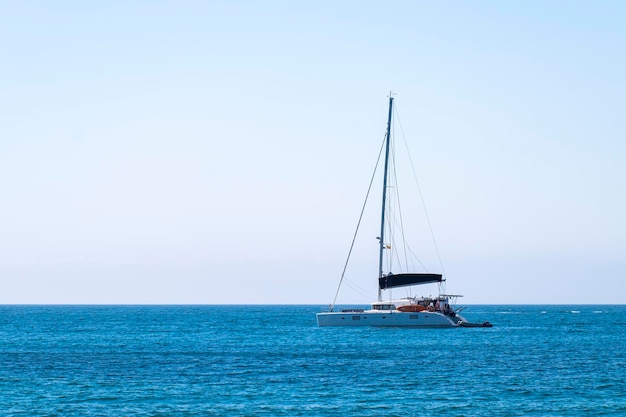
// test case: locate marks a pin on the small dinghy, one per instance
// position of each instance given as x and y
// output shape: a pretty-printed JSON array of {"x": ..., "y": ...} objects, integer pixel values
[{"x": 468, "y": 324}]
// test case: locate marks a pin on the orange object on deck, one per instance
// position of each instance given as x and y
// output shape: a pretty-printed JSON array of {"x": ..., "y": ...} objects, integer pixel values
[{"x": 412, "y": 308}]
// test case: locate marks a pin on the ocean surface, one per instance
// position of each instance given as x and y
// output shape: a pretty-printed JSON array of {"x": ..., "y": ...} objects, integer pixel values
[{"x": 274, "y": 361}]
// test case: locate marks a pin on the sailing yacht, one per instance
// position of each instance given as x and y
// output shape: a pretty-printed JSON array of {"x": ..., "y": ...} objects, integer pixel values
[{"x": 411, "y": 311}]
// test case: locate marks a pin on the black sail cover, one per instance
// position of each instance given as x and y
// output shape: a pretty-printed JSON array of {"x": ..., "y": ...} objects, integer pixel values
[{"x": 403, "y": 280}]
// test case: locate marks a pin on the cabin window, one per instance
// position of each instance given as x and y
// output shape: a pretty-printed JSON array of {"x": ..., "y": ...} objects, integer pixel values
[
  {"x": 414, "y": 316},
  {"x": 356, "y": 317}
]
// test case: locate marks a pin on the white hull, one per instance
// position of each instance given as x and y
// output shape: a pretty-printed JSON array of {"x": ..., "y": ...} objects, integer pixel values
[{"x": 388, "y": 319}]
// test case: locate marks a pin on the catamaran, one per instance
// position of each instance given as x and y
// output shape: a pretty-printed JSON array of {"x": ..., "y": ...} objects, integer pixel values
[{"x": 410, "y": 311}]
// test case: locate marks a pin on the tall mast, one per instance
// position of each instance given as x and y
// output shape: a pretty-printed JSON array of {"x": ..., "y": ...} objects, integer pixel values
[{"x": 382, "y": 218}]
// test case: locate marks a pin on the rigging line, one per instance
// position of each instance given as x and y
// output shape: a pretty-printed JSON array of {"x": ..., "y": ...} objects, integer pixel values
[
  {"x": 358, "y": 289},
  {"x": 393, "y": 209},
  {"x": 399, "y": 208},
  {"x": 430, "y": 228},
  {"x": 406, "y": 247},
  {"x": 417, "y": 258},
  {"x": 393, "y": 222},
  {"x": 390, "y": 216},
  {"x": 358, "y": 224}
]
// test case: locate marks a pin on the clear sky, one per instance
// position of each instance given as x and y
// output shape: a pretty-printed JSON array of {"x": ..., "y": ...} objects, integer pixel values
[{"x": 219, "y": 152}]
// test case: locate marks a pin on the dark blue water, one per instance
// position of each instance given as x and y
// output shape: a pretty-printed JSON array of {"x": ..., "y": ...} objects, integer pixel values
[{"x": 275, "y": 361}]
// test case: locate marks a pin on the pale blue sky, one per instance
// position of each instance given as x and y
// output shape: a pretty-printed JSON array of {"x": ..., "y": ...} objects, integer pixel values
[{"x": 218, "y": 152}]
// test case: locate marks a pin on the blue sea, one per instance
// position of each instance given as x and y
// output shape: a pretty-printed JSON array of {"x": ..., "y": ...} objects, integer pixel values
[{"x": 552, "y": 360}]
